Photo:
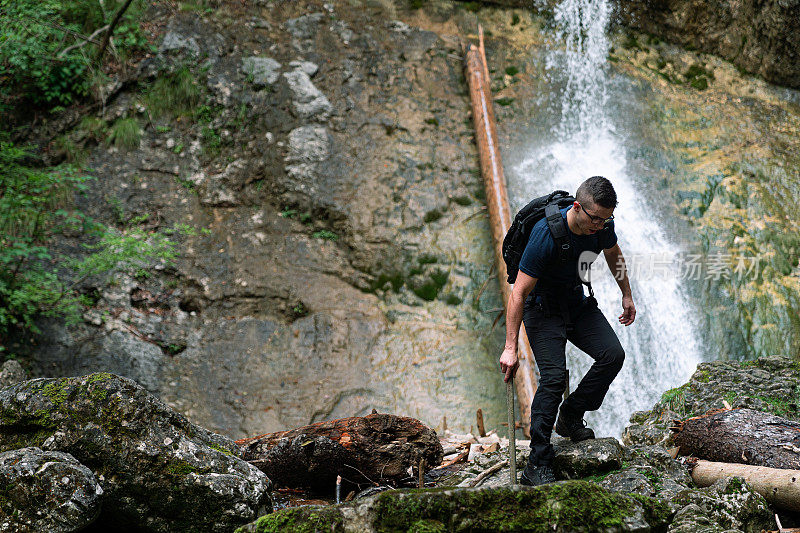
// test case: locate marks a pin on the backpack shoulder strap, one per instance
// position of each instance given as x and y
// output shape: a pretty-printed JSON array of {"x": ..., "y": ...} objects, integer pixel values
[{"x": 559, "y": 231}]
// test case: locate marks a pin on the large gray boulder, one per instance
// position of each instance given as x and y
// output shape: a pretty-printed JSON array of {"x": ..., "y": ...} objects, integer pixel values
[
  {"x": 46, "y": 491},
  {"x": 159, "y": 472}
]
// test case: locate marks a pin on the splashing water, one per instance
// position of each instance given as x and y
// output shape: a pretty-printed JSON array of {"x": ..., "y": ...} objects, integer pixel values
[
  {"x": 582, "y": 27},
  {"x": 661, "y": 346}
]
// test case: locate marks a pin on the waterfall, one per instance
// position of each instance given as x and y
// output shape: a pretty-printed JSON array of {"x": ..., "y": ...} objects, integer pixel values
[{"x": 662, "y": 348}]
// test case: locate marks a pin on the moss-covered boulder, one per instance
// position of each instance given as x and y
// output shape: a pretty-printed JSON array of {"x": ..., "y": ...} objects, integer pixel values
[
  {"x": 159, "y": 472},
  {"x": 46, "y": 491},
  {"x": 769, "y": 383},
  {"x": 729, "y": 504},
  {"x": 572, "y": 506}
]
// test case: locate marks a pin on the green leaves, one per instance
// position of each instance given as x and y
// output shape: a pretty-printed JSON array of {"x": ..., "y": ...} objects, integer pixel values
[
  {"x": 44, "y": 58},
  {"x": 35, "y": 281}
]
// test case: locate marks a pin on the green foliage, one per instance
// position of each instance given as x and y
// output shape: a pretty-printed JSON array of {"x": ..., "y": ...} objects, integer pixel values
[
  {"x": 504, "y": 101},
  {"x": 125, "y": 133},
  {"x": 325, "y": 234},
  {"x": 512, "y": 70},
  {"x": 212, "y": 142},
  {"x": 173, "y": 95},
  {"x": 698, "y": 76},
  {"x": 93, "y": 128},
  {"x": 514, "y": 19},
  {"x": 39, "y": 60},
  {"x": 35, "y": 281}
]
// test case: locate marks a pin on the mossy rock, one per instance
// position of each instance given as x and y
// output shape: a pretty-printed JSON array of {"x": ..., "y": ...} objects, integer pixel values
[
  {"x": 572, "y": 506},
  {"x": 307, "y": 519},
  {"x": 769, "y": 383},
  {"x": 157, "y": 470}
]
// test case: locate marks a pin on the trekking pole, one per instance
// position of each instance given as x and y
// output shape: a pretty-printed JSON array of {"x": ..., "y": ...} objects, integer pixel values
[{"x": 512, "y": 431}]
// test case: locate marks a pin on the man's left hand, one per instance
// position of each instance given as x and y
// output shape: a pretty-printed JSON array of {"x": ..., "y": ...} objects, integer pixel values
[{"x": 628, "y": 311}]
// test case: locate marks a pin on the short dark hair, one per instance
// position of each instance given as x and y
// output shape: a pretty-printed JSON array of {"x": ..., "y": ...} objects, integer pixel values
[{"x": 597, "y": 190}]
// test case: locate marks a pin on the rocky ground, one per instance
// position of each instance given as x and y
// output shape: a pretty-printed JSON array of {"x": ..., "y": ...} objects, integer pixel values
[
  {"x": 107, "y": 452},
  {"x": 657, "y": 493}
]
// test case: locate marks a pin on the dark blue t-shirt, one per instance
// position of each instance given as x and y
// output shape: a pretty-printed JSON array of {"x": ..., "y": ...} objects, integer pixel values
[{"x": 540, "y": 259}]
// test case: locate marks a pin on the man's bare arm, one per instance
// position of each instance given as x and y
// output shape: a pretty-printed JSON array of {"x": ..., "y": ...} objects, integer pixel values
[
  {"x": 522, "y": 287},
  {"x": 616, "y": 263}
]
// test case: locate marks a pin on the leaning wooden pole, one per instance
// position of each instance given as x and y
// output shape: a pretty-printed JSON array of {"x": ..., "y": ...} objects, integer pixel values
[{"x": 499, "y": 212}]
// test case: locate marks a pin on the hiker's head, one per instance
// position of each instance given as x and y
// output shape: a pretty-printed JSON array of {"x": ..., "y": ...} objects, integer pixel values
[{"x": 595, "y": 201}]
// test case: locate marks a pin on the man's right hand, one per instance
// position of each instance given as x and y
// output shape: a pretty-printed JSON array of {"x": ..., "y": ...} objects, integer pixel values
[{"x": 509, "y": 363}]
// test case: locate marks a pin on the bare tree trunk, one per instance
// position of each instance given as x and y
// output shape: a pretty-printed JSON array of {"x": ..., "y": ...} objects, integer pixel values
[
  {"x": 741, "y": 436},
  {"x": 778, "y": 486}
]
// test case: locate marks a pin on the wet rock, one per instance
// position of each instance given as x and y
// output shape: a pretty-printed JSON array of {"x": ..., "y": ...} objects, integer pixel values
[
  {"x": 567, "y": 506},
  {"x": 765, "y": 384},
  {"x": 587, "y": 458},
  {"x": 761, "y": 37},
  {"x": 157, "y": 470},
  {"x": 46, "y": 491},
  {"x": 264, "y": 70},
  {"x": 12, "y": 373},
  {"x": 308, "y": 101},
  {"x": 728, "y": 504}
]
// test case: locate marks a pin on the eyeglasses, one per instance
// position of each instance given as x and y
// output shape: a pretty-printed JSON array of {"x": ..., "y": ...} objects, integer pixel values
[{"x": 596, "y": 219}]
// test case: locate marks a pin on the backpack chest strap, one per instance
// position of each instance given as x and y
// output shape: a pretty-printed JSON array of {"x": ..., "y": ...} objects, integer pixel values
[{"x": 558, "y": 229}]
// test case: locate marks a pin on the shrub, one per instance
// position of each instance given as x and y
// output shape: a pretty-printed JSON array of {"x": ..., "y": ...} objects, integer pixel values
[
  {"x": 174, "y": 95},
  {"x": 125, "y": 133},
  {"x": 35, "y": 281}
]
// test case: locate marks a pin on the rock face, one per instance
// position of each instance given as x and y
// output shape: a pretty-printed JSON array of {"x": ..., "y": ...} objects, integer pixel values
[
  {"x": 760, "y": 37},
  {"x": 46, "y": 491},
  {"x": 330, "y": 165},
  {"x": 571, "y": 506},
  {"x": 11, "y": 373},
  {"x": 158, "y": 471}
]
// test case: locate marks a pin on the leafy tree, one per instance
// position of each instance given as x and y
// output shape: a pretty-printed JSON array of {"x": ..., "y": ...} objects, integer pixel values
[
  {"x": 35, "y": 281},
  {"x": 43, "y": 56}
]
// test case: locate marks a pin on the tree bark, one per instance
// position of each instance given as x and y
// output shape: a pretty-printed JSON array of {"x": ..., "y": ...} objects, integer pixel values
[
  {"x": 741, "y": 436},
  {"x": 107, "y": 37},
  {"x": 778, "y": 486},
  {"x": 374, "y": 449}
]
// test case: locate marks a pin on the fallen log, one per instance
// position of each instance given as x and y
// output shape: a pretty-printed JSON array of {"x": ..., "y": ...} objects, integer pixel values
[
  {"x": 778, "y": 486},
  {"x": 374, "y": 449},
  {"x": 741, "y": 436}
]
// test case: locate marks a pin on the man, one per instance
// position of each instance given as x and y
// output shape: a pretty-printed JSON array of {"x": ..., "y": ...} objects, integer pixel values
[{"x": 549, "y": 298}]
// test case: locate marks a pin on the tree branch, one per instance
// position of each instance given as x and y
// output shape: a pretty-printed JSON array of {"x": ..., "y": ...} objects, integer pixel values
[
  {"x": 89, "y": 39},
  {"x": 110, "y": 31}
]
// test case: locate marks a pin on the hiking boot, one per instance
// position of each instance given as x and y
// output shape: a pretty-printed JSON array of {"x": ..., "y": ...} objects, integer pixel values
[
  {"x": 537, "y": 475},
  {"x": 574, "y": 428}
]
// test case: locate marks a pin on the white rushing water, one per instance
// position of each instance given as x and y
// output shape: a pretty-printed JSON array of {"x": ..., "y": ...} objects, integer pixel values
[{"x": 662, "y": 348}]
